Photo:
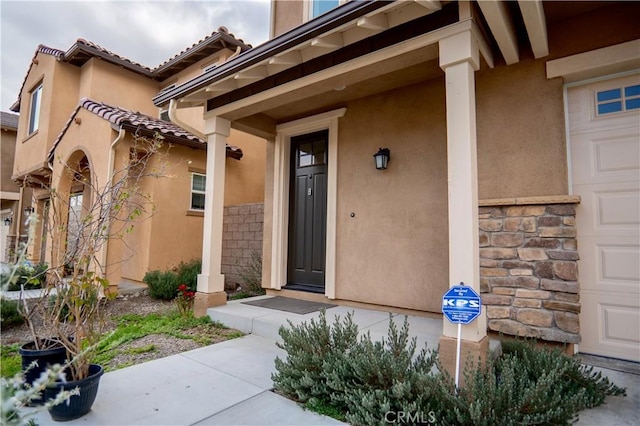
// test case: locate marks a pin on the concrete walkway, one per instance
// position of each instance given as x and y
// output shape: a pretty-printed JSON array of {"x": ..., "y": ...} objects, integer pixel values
[{"x": 229, "y": 383}]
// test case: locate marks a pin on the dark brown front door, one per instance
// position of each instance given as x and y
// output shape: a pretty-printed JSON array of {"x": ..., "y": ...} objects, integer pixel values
[{"x": 308, "y": 211}]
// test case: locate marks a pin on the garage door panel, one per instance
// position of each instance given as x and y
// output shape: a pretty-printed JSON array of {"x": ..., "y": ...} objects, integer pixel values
[
  {"x": 605, "y": 173},
  {"x": 609, "y": 264},
  {"x": 608, "y": 209},
  {"x": 610, "y": 325},
  {"x": 606, "y": 156}
]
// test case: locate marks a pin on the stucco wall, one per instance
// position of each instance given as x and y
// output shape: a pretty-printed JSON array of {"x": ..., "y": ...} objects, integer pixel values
[
  {"x": 7, "y": 146},
  {"x": 520, "y": 131},
  {"x": 288, "y": 14},
  {"x": 31, "y": 150},
  {"x": 113, "y": 85},
  {"x": 394, "y": 250}
]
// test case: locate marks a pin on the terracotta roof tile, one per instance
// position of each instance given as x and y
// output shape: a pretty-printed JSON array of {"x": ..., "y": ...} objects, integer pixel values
[
  {"x": 108, "y": 52},
  {"x": 221, "y": 30},
  {"x": 136, "y": 121}
]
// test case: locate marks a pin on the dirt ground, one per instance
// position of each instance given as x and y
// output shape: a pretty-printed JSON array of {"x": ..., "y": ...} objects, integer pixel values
[{"x": 128, "y": 355}]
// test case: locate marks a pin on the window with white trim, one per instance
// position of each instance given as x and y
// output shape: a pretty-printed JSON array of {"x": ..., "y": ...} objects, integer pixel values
[
  {"x": 198, "y": 191},
  {"x": 620, "y": 99},
  {"x": 34, "y": 108}
]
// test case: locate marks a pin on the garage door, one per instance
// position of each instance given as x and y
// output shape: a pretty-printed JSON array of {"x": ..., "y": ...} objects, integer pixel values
[{"x": 604, "y": 125}]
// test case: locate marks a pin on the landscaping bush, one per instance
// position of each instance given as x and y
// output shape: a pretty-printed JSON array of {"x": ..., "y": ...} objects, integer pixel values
[
  {"x": 162, "y": 285},
  {"x": 9, "y": 314},
  {"x": 527, "y": 385},
  {"x": 372, "y": 383},
  {"x": 188, "y": 273},
  {"x": 31, "y": 276}
]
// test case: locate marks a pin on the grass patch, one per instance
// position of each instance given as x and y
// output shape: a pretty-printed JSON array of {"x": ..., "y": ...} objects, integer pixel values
[
  {"x": 132, "y": 327},
  {"x": 10, "y": 360},
  {"x": 141, "y": 349}
]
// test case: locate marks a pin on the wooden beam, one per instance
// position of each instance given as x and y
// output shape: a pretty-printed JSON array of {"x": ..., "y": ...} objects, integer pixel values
[
  {"x": 433, "y": 5},
  {"x": 501, "y": 26},
  {"x": 332, "y": 41},
  {"x": 534, "y": 21},
  {"x": 222, "y": 86},
  {"x": 376, "y": 22},
  {"x": 255, "y": 73}
]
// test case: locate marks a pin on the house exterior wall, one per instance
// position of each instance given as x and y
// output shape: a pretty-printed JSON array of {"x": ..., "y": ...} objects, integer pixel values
[
  {"x": 113, "y": 85},
  {"x": 287, "y": 15},
  {"x": 59, "y": 97},
  {"x": 392, "y": 251}
]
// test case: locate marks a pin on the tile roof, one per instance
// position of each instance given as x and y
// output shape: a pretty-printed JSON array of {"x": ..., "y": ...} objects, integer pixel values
[
  {"x": 83, "y": 50},
  {"x": 9, "y": 120},
  {"x": 135, "y": 122}
]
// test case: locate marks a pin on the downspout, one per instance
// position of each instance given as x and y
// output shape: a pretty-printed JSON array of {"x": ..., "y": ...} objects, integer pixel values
[
  {"x": 110, "y": 166},
  {"x": 173, "y": 105}
]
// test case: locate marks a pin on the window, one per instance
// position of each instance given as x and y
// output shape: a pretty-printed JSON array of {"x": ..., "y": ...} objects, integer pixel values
[
  {"x": 198, "y": 188},
  {"x": 318, "y": 7},
  {"x": 34, "y": 111},
  {"x": 618, "y": 100}
]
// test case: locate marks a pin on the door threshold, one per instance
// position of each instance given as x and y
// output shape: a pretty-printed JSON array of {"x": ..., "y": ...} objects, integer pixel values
[{"x": 304, "y": 287}]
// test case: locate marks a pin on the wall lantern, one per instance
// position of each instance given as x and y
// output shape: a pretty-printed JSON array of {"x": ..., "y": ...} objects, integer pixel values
[
  {"x": 382, "y": 158},
  {"x": 28, "y": 210},
  {"x": 8, "y": 221}
]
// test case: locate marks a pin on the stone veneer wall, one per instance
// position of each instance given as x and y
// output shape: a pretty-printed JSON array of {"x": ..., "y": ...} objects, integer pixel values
[
  {"x": 528, "y": 267},
  {"x": 241, "y": 240}
]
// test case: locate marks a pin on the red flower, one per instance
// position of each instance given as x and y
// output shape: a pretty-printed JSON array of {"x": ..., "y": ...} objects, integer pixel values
[{"x": 182, "y": 287}]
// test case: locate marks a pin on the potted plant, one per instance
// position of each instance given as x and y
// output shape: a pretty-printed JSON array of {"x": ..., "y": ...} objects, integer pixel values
[{"x": 77, "y": 288}]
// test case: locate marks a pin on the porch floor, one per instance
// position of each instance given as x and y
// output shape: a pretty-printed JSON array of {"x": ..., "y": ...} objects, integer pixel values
[{"x": 265, "y": 322}]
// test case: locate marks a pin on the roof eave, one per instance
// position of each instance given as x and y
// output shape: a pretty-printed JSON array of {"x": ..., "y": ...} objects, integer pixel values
[{"x": 332, "y": 19}]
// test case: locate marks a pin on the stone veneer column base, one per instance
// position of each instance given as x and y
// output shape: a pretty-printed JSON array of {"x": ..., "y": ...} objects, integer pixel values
[
  {"x": 205, "y": 301},
  {"x": 469, "y": 351}
]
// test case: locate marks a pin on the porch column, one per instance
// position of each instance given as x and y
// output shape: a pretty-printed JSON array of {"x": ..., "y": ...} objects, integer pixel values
[
  {"x": 211, "y": 280},
  {"x": 459, "y": 58}
]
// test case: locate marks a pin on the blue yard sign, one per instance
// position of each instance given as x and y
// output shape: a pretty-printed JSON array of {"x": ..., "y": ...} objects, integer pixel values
[{"x": 461, "y": 305}]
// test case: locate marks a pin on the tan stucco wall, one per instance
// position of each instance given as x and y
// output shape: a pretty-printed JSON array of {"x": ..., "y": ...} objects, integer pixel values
[
  {"x": 244, "y": 179},
  {"x": 59, "y": 97},
  {"x": 115, "y": 86},
  {"x": 520, "y": 132},
  {"x": 175, "y": 234},
  {"x": 8, "y": 149},
  {"x": 288, "y": 14},
  {"x": 394, "y": 251}
]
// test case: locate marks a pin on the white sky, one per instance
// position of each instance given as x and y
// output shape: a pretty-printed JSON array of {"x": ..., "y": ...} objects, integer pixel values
[{"x": 147, "y": 32}]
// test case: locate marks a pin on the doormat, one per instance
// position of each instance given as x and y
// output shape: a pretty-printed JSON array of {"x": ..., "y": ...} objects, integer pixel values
[{"x": 288, "y": 304}]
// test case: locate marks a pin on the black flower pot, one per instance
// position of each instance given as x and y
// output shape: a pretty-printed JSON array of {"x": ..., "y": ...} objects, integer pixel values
[
  {"x": 77, "y": 405},
  {"x": 54, "y": 353}
]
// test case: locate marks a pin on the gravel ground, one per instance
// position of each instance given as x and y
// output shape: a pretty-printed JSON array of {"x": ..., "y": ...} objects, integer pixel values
[{"x": 145, "y": 349}]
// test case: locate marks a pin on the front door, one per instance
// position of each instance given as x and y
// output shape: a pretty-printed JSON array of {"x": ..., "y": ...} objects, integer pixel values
[{"x": 308, "y": 212}]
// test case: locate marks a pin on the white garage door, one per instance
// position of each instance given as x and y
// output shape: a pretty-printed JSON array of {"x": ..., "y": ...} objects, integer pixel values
[{"x": 604, "y": 125}]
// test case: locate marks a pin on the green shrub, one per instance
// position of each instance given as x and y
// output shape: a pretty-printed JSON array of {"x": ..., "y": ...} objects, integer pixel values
[
  {"x": 251, "y": 274},
  {"x": 309, "y": 345},
  {"x": 188, "y": 273},
  {"x": 9, "y": 314},
  {"x": 383, "y": 377},
  {"x": 162, "y": 285},
  {"x": 527, "y": 385},
  {"x": 31, "y": 276},
  {"x": 329, "y": 369}
]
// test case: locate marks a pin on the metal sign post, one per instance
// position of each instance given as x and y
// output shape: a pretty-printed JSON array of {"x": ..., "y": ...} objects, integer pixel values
[{"x": 461, "y": 305}]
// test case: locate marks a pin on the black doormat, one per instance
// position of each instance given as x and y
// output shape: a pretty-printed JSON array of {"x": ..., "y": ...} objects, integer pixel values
[{"x": 288, "y": 304}]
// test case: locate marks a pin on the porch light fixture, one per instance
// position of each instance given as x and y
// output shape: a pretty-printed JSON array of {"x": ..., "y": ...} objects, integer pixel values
[
  {"x": 382, "y": 158},
  {"x": 8, "y": 221},
  {"x": 28, "y": 210}
]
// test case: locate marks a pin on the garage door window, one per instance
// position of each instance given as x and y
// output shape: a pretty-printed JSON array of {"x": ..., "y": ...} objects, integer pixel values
[{"x": 618, "y": 100}]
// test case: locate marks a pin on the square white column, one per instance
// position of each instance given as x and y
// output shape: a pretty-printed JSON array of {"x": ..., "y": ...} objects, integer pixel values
[
  {"x": 211, "y": 280},
  {"x": 459, "y": 58}
]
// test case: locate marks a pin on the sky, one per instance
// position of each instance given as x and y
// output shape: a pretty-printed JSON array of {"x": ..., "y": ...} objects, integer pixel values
[{"x": 146, "y": 31}]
